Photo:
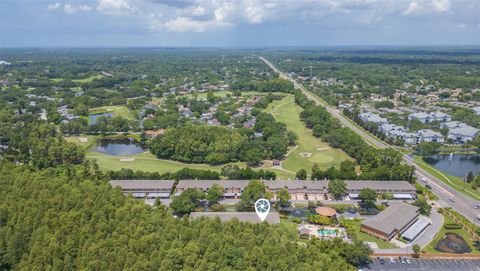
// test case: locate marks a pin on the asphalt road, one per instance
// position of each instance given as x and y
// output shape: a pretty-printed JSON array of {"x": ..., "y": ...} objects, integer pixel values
[
  {"x": 426, "y": 265},
  {"x": 463, "y": 204}
]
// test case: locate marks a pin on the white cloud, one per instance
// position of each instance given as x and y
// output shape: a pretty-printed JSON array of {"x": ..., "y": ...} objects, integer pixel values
[
  {"x": 184, "y": 24},
  {"x": 54, "y": 6},
  {"x": 412, "y": 7},
  {"x": 115, "y": 7},
  {"x": 198, "y": 11},
  {"x": 84, "y": 8},
  {"x": 420, "y": 7},
  {"x": 441, "y": 5},
  {"x": 69, "y": 9}
]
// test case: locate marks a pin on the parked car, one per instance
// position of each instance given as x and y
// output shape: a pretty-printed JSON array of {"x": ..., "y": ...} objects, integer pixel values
[
  {"x": 392, "y": 260},
  {"x": 452, "y": 199},
  {"x": 408, "y": 261},
  {"x": 381, "y": 260},
  {"x": 424, "y": 180},
  {"x": 477, "y": 207},
  {"x": 402, "y": 259},
  {"x": 428, "y": 186}
]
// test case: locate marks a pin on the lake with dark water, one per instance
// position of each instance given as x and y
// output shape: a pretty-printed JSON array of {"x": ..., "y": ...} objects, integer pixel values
[
  {"x": 119, "y": 147},
  {"x": 94, "y": 117},
  {"x": 456, "y": 164}
]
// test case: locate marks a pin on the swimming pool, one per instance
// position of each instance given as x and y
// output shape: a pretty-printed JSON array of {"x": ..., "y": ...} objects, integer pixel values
[{"x": 326, "y": 232}]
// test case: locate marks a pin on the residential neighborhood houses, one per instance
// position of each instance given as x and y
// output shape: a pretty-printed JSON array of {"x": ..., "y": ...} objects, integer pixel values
[{"x": 458, "y": 132}]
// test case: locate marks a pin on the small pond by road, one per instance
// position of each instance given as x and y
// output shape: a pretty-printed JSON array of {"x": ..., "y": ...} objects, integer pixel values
[{"x": 455, "y": 164}]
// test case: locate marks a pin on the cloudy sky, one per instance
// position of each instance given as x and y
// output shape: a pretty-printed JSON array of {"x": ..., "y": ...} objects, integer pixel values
[{"x": 239, "y": 23}]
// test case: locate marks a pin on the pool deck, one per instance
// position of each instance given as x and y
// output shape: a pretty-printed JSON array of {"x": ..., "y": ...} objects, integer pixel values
[{"x": 339, "y": 232}]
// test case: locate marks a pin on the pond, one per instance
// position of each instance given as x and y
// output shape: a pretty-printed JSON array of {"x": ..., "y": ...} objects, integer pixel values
[
  {"x": 453, "y": 243},
  {"x": 126, "y": 146},
  {"x": 94, "y": 117},
  {"x": 455, "y": 164}
]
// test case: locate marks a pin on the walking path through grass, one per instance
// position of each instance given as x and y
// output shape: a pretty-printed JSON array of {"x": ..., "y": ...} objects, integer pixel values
[{"x": 311, "y": 150}]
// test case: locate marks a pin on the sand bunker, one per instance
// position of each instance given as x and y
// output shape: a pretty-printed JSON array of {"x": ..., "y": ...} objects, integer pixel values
[
  {"x": 83, "y": 139},
  {"x": 306, "y": 154},
  {"x": 323, "y": 149},
  {"x": 127, "y": 159}
]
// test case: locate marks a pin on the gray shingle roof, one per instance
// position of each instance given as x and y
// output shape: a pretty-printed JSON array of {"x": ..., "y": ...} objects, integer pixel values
[
  {"x": 428, "y": 133},
  {"x": 206, "y": 184},
  {"x": 378, "y": 185},
  {"x": 142, "y": 184},
  {"x": 272, "y": 218},
  {"x": 464, "y": 131},
  {"x": 394, "y": 217}
]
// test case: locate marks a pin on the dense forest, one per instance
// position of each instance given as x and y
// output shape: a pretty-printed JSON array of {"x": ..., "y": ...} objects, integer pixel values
[
  {"x": 39, "y": 143},
  {"x": 216, "y": 145},
  {"x": 51, "y": 221}
]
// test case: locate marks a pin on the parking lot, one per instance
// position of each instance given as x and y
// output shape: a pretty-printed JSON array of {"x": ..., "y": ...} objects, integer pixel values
[{"x": 426, "y": 264}]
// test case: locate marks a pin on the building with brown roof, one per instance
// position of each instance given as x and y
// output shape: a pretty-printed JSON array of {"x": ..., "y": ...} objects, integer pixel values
[
  {"x": 325, "y": 211},
  {"x": 154, "y": 133}
]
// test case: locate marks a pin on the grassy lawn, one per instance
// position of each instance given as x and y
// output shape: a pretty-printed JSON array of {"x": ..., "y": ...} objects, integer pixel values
[
  {"x": 430, "y": 247},
  {"x": 145, "y": 162},
  {"x": 56, "y": 80},
  {"x": 355, "y": 224},
  {"x": 368, "y": 238},
  {"x": 116, "y": 110},
  {"x": 88, "y": 79},
  {"x": 453, "y": 181},
  {"x": 311, "y": 150},
  {"x": 81, "y": 81},
  {"x": 78, "y": 140},
  {"x": 148, "y": 162}
]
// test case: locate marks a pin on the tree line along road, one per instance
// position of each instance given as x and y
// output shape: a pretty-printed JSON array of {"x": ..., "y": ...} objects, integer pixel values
[{"x": 448, "y": 196}]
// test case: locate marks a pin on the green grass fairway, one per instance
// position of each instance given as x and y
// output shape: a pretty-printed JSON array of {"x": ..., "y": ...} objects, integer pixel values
[
  {"x": 311, "y": 150},
  {"x": 453, "y": 181},
  {"x": 145, "y": 162},
  {"x": 81, "y": 81},
  {"x": 149, "y": 163},
  {"x": 88, "y": 79},
  {"x": 224, "y": 93},
  {"x": 117, "y": 110}
]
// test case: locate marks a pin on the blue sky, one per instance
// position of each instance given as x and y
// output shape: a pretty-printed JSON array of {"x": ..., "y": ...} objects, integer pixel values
[{"x": 241, "y": 23}]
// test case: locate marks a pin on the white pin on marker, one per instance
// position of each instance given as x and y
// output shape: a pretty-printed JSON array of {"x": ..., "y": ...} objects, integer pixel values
[{"x": 262, "y": 207}]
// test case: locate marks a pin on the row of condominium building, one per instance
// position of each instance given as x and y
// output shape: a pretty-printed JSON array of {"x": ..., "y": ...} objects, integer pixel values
[{"x": 299, "y": 190}]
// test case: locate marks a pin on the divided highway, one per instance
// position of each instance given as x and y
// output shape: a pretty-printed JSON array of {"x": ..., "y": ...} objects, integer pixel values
[{"x": 448, "y": 197}]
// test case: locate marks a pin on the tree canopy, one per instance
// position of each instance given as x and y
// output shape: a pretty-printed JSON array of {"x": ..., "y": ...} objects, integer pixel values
[{"x": 49, "y": 220}]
